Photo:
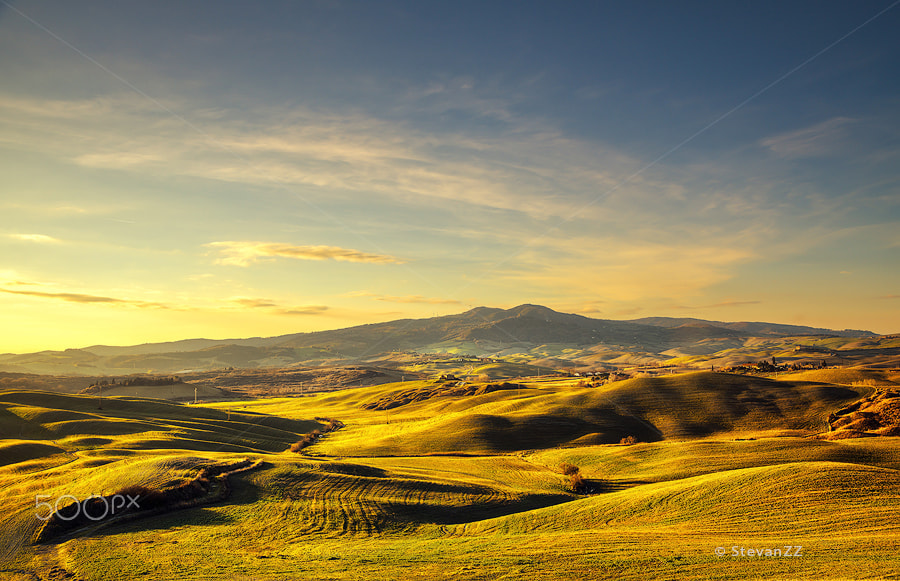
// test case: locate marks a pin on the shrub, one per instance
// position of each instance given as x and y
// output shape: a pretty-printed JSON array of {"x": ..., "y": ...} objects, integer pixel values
[
  {"x": 568, "y": 469},
  {"x": 312, "y": 437},
  {"x": 628, "y": 440},
  {"x": 579, "y": 484},
  {"x": 307, "y": 440},
  {"x": 147, "y": 497}
]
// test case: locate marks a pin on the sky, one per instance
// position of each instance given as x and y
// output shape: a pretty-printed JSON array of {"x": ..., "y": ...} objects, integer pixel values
[{"x": 222, "y": 169}]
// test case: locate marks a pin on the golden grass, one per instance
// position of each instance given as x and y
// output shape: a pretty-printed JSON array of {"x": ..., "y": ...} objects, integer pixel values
[
  {"x": 17, "y": 451},
  {"x": 845, "y": 376},
  {"x": 411, "y": 518},
  {"x": 468, "y": 487},
  {"x": 801, "y": 498},
  {"x": 559, "y": 412}
]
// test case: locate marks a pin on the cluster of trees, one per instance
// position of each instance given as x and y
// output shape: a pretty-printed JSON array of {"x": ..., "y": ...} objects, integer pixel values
[
  {"x": 576, "y": 480},
  {"x": 31, "y": 382},
  {"x": 766, "y": 366},
  {"x": 131, "y": 381}
]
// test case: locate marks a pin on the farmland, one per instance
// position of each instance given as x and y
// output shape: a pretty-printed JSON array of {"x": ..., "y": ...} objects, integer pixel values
[{"x": 454, "y": 483}]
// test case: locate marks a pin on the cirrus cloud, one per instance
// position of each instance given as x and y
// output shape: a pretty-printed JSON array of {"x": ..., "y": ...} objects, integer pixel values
[
  {"x": 245, "y": 253},
  {"x": 41, "y": 238},
  {"x": 719, "y": 305},
  {"x": 409, "y": 299},
  {"x": 821, "y": 139},
  {"x": 84, "y": 298},
  {"x": 278, "y": 309}
]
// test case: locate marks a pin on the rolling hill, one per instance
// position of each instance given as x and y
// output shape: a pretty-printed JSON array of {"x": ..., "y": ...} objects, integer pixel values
[
  {"x": 462, "y": 482},
  {"x": 547, "y": 414}
]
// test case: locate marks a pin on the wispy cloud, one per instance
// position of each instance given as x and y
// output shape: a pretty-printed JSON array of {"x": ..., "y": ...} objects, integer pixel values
[
  {"x": 526, "y": 167},
  {"x": 278, "y": 309},
  {"x": 118, "y": 160},
  {"x": 523, "y": 166},
  {"x": 254, "y": 303},
  {"x": 41, "y": 238},
  {"x": 735, "y": 304},
  {"x": 245, "y": 253},
  {"x": 74, "y": 109},
  {"x": 268, "y": 306},
  {"x": 409, "y": 299},
  {"x": 23, "y": 204},
  {"x": 14, "y": 278},
  {"x": 586, "y": 308},
  {"x": 724, "y": 304},
  {"x": 821, "y": 139},
  {"x": 621, "y": 270},
  {"x": 303, "y": 311},
  {"x": 85, "y": 298}
]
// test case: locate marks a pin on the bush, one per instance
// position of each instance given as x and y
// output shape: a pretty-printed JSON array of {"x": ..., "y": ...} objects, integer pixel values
[
  {"x": 312, "y": 437},
  {"x": 568, "y": 469},
  {"x": 579, "y": 484},
  {"x": 307, "y": 440},
  {"x": 628, "y": 440},
  {"x": 147, "y": 497}
]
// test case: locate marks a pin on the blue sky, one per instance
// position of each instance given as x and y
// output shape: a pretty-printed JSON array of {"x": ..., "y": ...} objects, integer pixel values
[{"x": 232, "y": 169}]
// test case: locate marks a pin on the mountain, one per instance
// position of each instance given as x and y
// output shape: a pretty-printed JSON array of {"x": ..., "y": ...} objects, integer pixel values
[
  {"x": 532, "y": 331},
  {"x": 755, "y": 329}
]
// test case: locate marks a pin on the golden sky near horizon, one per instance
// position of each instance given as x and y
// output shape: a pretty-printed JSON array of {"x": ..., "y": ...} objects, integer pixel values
[{"x": 227, "y": 170}]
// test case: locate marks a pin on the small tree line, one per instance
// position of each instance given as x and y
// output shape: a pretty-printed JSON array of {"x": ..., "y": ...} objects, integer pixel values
[
  {"x": 313, "y": 437},
  {"x": 132, "y": 381}
]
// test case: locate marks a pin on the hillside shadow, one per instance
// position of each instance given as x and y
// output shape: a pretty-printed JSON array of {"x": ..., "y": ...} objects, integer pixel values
[
  {"x": 607, "y": 486},
  {"x": 455, "y": 514},
  {"x": 242, "y": 493},
  {"x": 506, "y": 434},
  {"x": 14, "y": 427}
]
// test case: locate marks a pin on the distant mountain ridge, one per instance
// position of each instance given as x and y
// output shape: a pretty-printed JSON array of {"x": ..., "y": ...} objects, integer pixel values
[
  {"x": 754, "y": 328},
  {"x": 479, "y": 331},
  {"x": 486, "y": 323}
]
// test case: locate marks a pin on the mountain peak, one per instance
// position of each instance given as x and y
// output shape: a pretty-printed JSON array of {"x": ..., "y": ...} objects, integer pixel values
[{"x": 528, "y": 309}]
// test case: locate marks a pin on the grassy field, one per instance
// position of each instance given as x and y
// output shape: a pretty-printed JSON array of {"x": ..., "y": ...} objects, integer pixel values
[{"x": 450, "y": 486}]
